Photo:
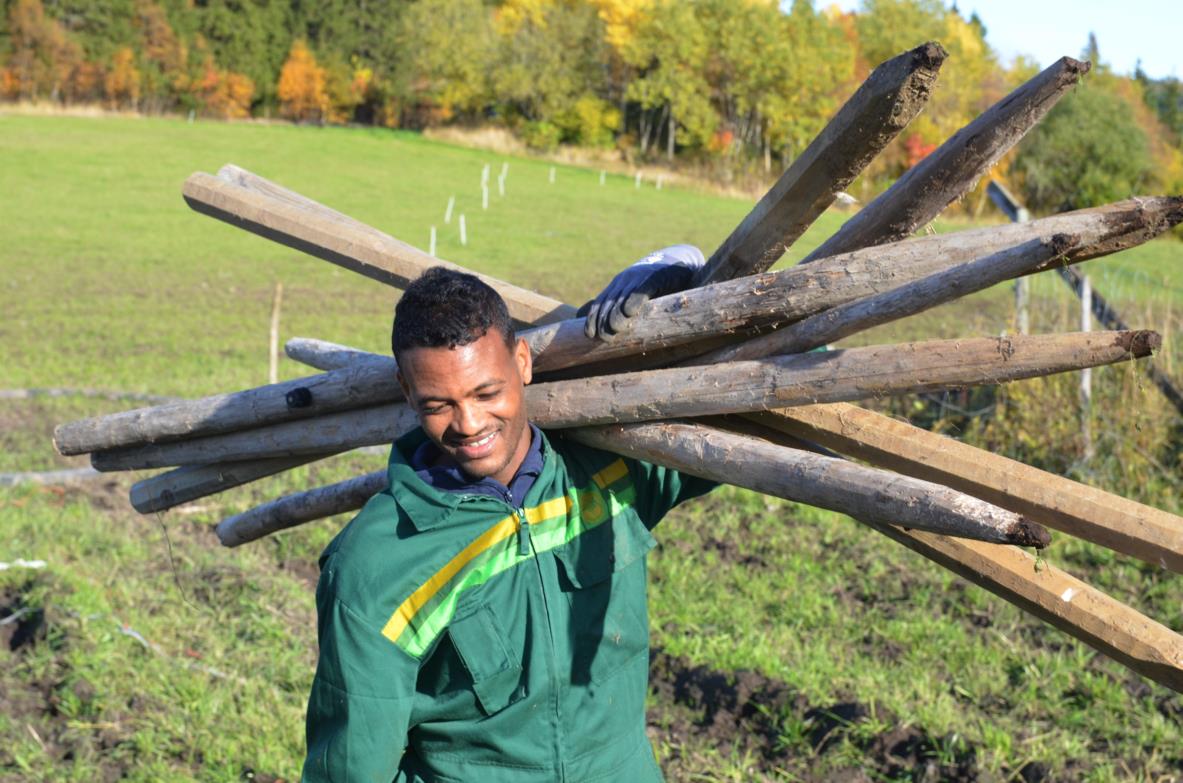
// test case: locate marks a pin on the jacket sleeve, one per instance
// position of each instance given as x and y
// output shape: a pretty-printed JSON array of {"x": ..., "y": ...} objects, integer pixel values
[
  {"x": 360, "y": 707},
  {"x": 659, "y": 489}
]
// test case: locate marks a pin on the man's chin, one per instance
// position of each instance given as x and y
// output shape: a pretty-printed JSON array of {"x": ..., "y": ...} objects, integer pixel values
[{"x": 483, "y": 467}]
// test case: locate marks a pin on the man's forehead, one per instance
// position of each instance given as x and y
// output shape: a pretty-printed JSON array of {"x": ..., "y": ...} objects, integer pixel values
[{"x": 486, "y": 356}]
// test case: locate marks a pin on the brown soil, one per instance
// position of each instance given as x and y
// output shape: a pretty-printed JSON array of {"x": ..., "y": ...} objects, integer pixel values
[{"x": 699, "y": 714}]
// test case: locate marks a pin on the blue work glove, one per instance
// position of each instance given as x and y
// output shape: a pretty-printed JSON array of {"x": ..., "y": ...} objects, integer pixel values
[{"x": 662, "y": 272}]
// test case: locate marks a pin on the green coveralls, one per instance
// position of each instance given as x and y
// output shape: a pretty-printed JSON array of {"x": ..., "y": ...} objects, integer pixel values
[{"x": 491, "y": 650}]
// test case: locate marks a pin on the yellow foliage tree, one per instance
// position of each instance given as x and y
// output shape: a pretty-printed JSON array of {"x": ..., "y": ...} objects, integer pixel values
[
  {"x": 621, "y": 19},
  {"x": 512, "y": 14},
  {"x": 123, "y": 80},
  {"x": 301, "y": 89}
]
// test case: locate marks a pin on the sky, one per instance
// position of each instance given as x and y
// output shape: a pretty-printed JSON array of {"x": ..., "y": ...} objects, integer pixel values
[{"x": 1046, "y": 30}]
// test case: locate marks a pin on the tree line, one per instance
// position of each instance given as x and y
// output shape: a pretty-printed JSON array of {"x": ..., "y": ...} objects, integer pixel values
[{"x": 729, "y": 86}]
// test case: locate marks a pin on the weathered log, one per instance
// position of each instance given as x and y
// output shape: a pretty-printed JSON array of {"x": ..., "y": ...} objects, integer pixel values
[
  {"x": 329, "y": 434},
  {"x": 844, "y": 320},
  {"x": 344, "y": 242},
  {"x": 299, "y": 508},
  {"x": 326, "y": 356},
  {"x": 304, "y": 398},
  {"x": 883, "y": 105},
  {"x": 191, "y": 482},
  {"x": 1082, "y": 511},
  {"x": 736, "y": 387},
  {"x": 743, "y": 460},
  {"x": 952, "y": 169},
  {"x": 865, "y": 493}
]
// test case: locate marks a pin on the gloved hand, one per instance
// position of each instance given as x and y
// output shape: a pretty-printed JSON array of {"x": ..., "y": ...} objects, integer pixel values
[{"x": 662, "y": 272}]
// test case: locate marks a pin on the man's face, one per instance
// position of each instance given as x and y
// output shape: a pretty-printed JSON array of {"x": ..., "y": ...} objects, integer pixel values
[{"x": 471, "y": 402}]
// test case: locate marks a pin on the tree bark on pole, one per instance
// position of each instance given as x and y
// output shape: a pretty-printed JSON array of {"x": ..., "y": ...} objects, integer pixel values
[
  {"x": 883, "y": 105},
  {"x": 736, "y": 387},
  {"x": 186, "y": 484},
  {"x": 952, "y": 169},
  {"x": 844, "y": 320},
  {"x": 743, "y": 460},
  {"x": 326, "y": 356}
]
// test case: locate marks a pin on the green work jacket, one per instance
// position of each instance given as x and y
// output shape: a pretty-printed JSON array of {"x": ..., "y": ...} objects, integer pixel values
[{"x": 459, "y": 644}]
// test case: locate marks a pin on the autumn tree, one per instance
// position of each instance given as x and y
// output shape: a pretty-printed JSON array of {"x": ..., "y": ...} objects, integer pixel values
[
  {"x": 448, "y": 48},
  {"x": 123, "y": 80},
  {"x": 1087, "y": 151},
  {"x": 301, "y": 88},
  {"x": 43, "y": 55}
]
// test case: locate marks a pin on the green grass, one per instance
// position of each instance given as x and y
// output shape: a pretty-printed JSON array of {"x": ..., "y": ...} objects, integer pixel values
[{"x": 110, "y": 282}]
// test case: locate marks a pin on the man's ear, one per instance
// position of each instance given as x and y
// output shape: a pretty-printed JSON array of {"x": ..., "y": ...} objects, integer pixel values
[{"x": 525, "y": 362}]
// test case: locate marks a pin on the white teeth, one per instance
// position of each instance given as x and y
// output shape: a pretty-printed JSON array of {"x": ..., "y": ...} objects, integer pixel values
[{"x": 482, "y": 441}]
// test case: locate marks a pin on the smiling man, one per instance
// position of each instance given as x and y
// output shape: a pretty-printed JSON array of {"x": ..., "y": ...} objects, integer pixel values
[{"x": 485, "y": 618}]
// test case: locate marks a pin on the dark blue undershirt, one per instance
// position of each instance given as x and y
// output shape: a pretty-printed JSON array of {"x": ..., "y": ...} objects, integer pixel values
[{"x": 450, "y": 478}]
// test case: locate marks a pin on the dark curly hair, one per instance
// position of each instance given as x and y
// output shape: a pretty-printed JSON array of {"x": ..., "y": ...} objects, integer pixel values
[{"x": 448, "y": 308}]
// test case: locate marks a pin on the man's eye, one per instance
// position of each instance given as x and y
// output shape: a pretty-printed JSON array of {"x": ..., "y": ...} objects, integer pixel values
[
  {"x": 431, "y": 410},
  {"x": 486, "y": 396}
]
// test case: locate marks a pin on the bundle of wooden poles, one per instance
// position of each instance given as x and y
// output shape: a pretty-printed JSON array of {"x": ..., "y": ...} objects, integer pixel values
[{"x": 721, "y": 380}]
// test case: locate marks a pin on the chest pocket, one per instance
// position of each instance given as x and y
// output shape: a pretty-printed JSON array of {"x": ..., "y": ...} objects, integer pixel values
[
  {"x": 496, "y": 675},
  {"x": 604, "y": 582}
]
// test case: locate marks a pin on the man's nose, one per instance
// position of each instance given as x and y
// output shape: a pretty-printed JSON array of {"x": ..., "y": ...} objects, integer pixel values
[{"x": 467, "y": 420}]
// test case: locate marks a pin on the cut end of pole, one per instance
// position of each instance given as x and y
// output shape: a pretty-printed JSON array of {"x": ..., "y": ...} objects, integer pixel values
[
  {"x": 1028, "y": 533},
  {"x": 1140, "y": 343},
  {"x": 1072, "y": 67},
  {"x": 929, "y": 55}
]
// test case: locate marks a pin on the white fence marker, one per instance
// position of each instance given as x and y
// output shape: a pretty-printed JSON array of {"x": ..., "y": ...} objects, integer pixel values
[
  {"x": 485, "y": 175},
  {"x": 659, "y": 179},
  {"x": 448, "y": 211},
  {"x": 484, "y": 196},
  {"x": 463, "y": 231},
  {"x": 431, "y": 248},
  {"x": 602, "y": 175},
  {"x": 637, "y": 181},
  {"x": 552, "y": 175}
]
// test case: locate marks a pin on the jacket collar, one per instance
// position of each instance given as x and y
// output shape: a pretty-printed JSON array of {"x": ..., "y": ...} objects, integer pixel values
[{"x": 428, "y": 507}]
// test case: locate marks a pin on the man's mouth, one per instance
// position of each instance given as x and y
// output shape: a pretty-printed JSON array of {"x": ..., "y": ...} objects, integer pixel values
[{"x": 476, "y": 449}]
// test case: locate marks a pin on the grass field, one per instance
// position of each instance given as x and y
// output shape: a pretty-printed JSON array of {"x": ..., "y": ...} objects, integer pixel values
[{"x": 793, "y": 644}]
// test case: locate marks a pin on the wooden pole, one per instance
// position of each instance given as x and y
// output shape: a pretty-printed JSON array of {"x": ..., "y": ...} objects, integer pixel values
[
  {"x": 883, "y": 105},
  {"x": 304, "y": 398},
  {"x": 343, "y": 241},
  {"x": 1077, "y": 509},
  {"x": 835, "y": 323},
  {"x": 297, "y": 509},
  {"x": 952, "y": 169},
  {"x": 326, "y": 356},
  {"x": 856, "y": 373},
  {"x": 1076, "y": 608},
  {"x": 191, "y": 482},
  {"x": 739, "y": 459}
]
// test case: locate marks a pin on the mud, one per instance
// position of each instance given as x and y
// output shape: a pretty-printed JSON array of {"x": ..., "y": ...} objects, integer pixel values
[{"x": 699, "y": 715}]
